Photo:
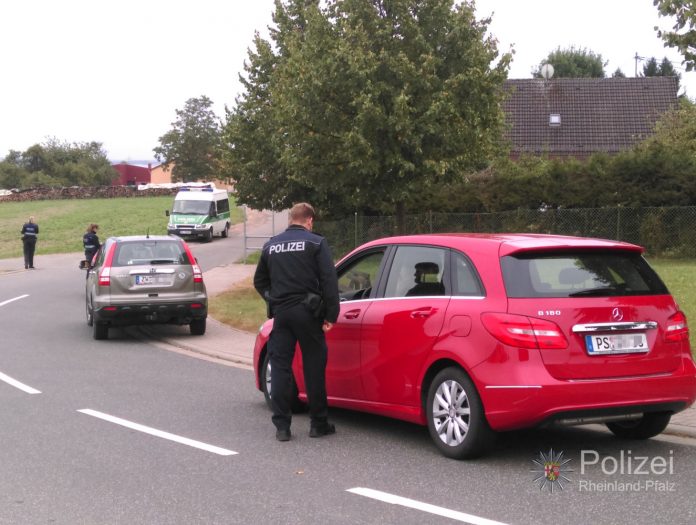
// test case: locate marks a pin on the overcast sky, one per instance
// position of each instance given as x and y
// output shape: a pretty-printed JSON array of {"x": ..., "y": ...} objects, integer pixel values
[{"x": 116, "y": 71}]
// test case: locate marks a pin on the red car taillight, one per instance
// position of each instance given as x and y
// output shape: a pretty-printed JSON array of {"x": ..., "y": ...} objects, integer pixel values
[
  {"x": 105, "y": 273},
  {"x": 524, "y": 332},
  {"x": 677, "y": 328},
  {"x": 197, "y": 273}
]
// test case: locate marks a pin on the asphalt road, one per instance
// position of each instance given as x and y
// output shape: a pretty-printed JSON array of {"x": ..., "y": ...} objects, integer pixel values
[{"x": 123, "y": 431}]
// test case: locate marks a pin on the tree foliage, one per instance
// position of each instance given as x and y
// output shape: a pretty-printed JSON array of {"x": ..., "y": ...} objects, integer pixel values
[
  {"x": 652, "y": 68},
  {"x": 683, "y": 33},
  {"x": 193, "y": 146},
  {"x": 55, "y": 164},
  {"x": 573, "y": 63},
  {"x": 365, "y": 104}
]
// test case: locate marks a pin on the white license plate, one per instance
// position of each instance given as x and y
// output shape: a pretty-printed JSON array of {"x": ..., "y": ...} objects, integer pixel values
[
  {"x": 153, "y": 279},
  {"x": 616, "y": 344}
]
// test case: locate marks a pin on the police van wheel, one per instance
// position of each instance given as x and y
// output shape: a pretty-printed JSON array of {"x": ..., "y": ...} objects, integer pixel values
[
  {"x": 225, "y": 231},
  {"x": 296, "y": 405},
  {"x": 208, "y": 235}
]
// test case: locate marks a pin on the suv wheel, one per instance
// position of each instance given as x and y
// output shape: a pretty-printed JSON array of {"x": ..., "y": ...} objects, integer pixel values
[
  {"x": 650, "y": 425},
  {"x": 197, "y": 326},
  {"x": 455, "y": 415},
  {"x": 90, "y": 316},
  {"x": 100, "y": 331}
]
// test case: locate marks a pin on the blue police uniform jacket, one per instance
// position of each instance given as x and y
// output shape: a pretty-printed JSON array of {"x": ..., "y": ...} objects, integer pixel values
[
  {"x": 30, "y": 231},
  {"x": 293, "y": 264},
  {"x": 90, "y": 240}
]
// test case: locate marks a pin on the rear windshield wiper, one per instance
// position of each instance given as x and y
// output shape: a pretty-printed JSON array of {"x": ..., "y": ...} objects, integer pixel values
[{"x": 600, "y": 292}]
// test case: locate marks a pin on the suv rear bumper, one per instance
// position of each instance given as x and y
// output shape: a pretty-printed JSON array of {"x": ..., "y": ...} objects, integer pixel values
[{"x": 176, "y": 313}]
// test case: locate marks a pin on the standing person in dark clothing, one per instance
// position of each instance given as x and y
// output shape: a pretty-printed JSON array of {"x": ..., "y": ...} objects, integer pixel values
[
  {"x": 90, "y": 241},
  {"x": 30, "y": 232},
  {"x": 297, "y": 278}
]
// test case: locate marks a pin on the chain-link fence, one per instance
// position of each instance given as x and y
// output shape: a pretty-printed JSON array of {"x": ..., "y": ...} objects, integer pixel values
[{"x": 665, "y": 232}]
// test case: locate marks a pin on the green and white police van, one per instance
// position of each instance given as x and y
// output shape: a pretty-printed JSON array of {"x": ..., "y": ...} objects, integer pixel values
[{"x": 199, "y": 212}]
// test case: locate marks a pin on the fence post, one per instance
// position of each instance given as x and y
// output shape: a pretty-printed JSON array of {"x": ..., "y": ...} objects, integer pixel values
[
  {"x": 244, "y": 216},
  {"x": 618, "y": 223},
  {"x": 355, "y": 231}
]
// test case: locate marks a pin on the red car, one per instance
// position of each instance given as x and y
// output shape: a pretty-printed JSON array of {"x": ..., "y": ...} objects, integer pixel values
[{"x": 471, "y": 334}]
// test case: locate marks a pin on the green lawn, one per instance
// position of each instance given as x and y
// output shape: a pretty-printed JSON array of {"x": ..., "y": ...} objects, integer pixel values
[{"x": 62, "y": 222}]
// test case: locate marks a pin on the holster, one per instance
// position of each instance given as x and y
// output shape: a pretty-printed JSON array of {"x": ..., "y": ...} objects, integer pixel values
[{"x": 315, "y": 304}]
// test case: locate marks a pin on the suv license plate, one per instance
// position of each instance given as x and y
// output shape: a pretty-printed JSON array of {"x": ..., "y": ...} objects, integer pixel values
[
  {"x": 152, "y": 279},
  {"x": 616, "y": 344}
]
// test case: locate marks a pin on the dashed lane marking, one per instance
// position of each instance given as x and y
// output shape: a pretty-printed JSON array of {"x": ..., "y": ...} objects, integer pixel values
[
  {"x": 159, "y": 433},
  {"x": 10, "y": 381},
  {"x": 425, "y": 507},
  {"x": 14, "y": 299}
]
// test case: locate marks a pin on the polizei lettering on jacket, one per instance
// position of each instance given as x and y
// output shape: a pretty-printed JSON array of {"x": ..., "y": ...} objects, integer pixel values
[{"x": 294, "y": 246}]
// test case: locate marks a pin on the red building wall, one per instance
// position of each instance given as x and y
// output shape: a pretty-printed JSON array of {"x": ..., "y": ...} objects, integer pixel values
[{"x": 131, "y": 175}]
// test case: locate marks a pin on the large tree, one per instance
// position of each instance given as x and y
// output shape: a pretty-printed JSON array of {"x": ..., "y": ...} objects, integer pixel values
[
  {"x": 193, "y": 145},
  {"x": 365, "y": 104},
  {"x": 683, "y": 33},
  {"x": 573, "y": 63}
]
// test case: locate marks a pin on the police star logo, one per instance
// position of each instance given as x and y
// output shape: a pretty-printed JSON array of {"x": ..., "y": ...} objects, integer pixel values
[{"x": 550, "y": 470}]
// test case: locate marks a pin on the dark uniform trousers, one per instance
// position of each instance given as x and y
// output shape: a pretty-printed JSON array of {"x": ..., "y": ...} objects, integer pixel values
[
  {"x": 29, "y": 247},
  {"x": 291, "y": 325}
]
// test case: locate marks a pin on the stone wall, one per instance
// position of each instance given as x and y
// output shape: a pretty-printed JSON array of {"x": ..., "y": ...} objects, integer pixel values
[{"x": 77, "y": 192}]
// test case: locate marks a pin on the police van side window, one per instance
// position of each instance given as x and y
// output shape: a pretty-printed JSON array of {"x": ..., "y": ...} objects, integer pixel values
[
  {"x": 357, "y": 280},
  {"x": 223, "y": 206}
]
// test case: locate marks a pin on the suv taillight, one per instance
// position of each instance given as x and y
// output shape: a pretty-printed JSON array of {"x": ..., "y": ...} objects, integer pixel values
[
  {"x": 677, "y": 328},
  {"x": 105, "y": 272},
  {"x": 197, "y": 273},
  {"x": 524, "y": 332}
]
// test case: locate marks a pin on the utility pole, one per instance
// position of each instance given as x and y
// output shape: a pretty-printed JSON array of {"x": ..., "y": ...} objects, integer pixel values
[{"x": 637, "y": 58}]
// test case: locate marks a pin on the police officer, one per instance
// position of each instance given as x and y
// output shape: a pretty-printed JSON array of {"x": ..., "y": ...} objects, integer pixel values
[
  {"x": 30, "y": 232},
  {"x": 297, "y": 278},
  {"x": 90, "y": 241}
]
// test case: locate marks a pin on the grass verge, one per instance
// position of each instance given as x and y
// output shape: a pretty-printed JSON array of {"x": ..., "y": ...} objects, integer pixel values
[{"x": 63, "y": 222}]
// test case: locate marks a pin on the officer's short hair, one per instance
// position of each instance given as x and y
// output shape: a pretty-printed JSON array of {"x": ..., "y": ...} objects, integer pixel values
[{"x": 301, "y": 211}]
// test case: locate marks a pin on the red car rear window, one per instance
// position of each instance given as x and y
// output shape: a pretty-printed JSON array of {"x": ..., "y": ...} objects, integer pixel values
[{"x": 580, "y": 274}]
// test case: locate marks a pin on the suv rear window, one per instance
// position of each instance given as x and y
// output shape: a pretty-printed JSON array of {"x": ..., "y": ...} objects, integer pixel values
[
  {"x": 579, "y": 274},
  {"x": 149, "y": 252}
]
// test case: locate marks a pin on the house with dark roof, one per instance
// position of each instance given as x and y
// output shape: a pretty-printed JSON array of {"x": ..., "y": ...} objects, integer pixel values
[{"x": 576, "y": 117}]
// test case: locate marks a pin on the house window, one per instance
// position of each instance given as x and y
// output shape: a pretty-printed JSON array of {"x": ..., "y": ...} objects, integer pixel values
[{"x": 554, "y": 120}]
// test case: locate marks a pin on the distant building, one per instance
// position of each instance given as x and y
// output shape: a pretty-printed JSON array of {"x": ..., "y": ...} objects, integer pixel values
[
  {"x": 576, "y": 117},
  {"x": 161, "y": 173},
  {"x": 131, "y": 175}
]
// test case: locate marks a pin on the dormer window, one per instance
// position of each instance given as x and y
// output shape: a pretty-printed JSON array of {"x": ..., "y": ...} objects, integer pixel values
[{"x": 554, "y": 120}]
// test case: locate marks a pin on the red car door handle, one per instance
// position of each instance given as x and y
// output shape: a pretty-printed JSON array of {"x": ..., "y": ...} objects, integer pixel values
[
  {"x": 422, "y": 313},
  {"x": 351, "y": 314}
]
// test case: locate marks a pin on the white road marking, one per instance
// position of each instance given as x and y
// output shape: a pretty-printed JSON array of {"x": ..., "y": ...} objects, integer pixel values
[
  {"x": 7, "y": 379},
  {"x": 425, "y": 507},
  {"x": 14, "y": 299},
  {"x": 158, "y": 433}
]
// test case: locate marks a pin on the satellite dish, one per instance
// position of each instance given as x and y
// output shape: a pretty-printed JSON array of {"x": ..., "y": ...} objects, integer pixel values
[{"x": 547, "y": 71}]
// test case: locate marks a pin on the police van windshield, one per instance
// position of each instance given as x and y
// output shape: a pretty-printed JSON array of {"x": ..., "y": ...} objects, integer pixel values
[{"x": 191, "y": 207}]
